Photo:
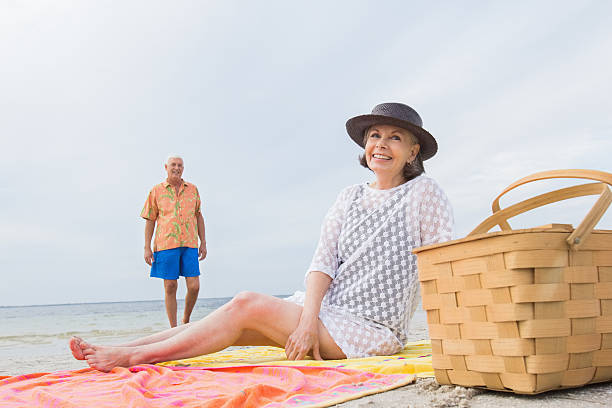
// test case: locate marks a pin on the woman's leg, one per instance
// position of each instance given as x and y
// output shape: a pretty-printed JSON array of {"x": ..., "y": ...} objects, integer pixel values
[
  {"x": 249, "y": 338},
  {"x": 249, "y": 319},
  {"x": 76, "y": 344},
  {"x": 154, "y": 338}
]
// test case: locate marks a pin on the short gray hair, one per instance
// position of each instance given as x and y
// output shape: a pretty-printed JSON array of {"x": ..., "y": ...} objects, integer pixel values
[{"x": 173, "y": 156}]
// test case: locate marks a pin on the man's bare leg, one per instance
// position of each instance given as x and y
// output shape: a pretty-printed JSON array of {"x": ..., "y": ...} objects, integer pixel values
[
  {"x": 249, "y": 318},
  {"x": 170, "y": 300},
  {"x": 193, "y": 288}
]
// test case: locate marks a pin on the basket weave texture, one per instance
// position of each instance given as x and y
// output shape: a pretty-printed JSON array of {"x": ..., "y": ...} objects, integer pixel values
[{"x": 521, "y": 310}]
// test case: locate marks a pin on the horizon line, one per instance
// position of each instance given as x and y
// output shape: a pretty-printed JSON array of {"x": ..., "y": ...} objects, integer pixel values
[{"x": 116, "y": 301}]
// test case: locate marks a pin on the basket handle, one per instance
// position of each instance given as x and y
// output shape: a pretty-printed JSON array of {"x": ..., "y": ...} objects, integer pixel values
[{"x": 577, "y": 237}]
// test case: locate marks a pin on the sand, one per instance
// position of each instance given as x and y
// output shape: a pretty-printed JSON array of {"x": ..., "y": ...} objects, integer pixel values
[{"x": 427, "y": 393}]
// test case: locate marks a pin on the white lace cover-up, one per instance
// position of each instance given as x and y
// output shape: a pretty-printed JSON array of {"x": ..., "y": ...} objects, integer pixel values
[{"x": 365, "y": 247}]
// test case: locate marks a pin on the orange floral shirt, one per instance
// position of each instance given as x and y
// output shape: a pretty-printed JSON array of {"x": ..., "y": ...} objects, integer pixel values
[{"x": 176, "y": 215}]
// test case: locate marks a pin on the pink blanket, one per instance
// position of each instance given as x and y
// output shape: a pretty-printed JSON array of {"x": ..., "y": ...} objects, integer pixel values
[{"x": 156, "y": 386}]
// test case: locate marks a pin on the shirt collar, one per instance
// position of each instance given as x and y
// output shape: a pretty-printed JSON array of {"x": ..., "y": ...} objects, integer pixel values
[{"x": 166, "y": 184}]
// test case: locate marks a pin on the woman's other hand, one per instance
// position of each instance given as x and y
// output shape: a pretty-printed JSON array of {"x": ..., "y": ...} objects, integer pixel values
[{"x": 304, "y": 339}]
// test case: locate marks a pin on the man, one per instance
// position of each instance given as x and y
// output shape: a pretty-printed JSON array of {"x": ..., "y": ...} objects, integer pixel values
[{"x": 175, "y": 205}]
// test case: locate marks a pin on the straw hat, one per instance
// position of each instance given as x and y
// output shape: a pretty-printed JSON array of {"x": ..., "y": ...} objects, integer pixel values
[{"x": 396, "y": 114}]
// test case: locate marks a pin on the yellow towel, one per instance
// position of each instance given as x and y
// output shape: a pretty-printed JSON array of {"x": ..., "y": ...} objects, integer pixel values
[{"x": 415, "y": 359}]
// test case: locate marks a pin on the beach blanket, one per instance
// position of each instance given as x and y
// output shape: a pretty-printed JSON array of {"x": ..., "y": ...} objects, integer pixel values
[
  {"x": 158, "y": 386},
  {"x": 415, "y": 359}
]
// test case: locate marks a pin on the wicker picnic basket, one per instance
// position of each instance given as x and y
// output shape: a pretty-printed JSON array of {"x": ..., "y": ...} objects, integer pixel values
[{"x": 525, "y": 310}]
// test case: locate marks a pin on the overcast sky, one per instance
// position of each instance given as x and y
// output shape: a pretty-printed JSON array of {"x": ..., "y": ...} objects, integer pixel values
[{"x": 95, "y": 94}]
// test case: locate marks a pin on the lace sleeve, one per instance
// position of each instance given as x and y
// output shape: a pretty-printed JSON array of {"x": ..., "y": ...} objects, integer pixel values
[
  {"x": 325, "y": 258},
  {"x": 436, "y": 214}
]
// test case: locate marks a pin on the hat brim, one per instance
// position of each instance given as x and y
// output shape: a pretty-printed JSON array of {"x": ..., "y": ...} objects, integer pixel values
[{"x": 357, "y": 125}]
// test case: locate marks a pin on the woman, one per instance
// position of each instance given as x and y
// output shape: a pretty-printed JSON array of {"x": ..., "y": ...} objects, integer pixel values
[{"x": 362, "y": 285}]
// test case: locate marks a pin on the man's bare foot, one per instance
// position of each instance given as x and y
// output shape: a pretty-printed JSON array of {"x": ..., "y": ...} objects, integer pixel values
[
  {"x": 104, "y": 358},
  {"x": 185, "y": 320},
  {"x": 75, "y": 347}
]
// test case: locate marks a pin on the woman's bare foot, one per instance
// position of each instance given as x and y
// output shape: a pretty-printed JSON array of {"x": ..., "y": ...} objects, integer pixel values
[
  {"x": 75, "y": 347},
  {"x": 105, "y": 358}
]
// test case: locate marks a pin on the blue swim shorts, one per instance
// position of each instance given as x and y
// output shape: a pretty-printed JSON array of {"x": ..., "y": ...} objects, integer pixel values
[{"x": 172, "y": 263}]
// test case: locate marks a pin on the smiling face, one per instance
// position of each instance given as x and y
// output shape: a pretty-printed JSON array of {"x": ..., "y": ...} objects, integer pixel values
[
  {"x": 388, "y": 149},
  {"x": 174, "y": 168}
]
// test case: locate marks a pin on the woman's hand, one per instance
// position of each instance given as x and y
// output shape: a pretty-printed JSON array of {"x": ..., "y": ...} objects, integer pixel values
[{"x": 304, "y": 339}]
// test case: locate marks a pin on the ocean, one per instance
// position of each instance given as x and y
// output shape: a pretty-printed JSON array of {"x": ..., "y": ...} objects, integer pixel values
[{"x": 35, "y": 338}]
